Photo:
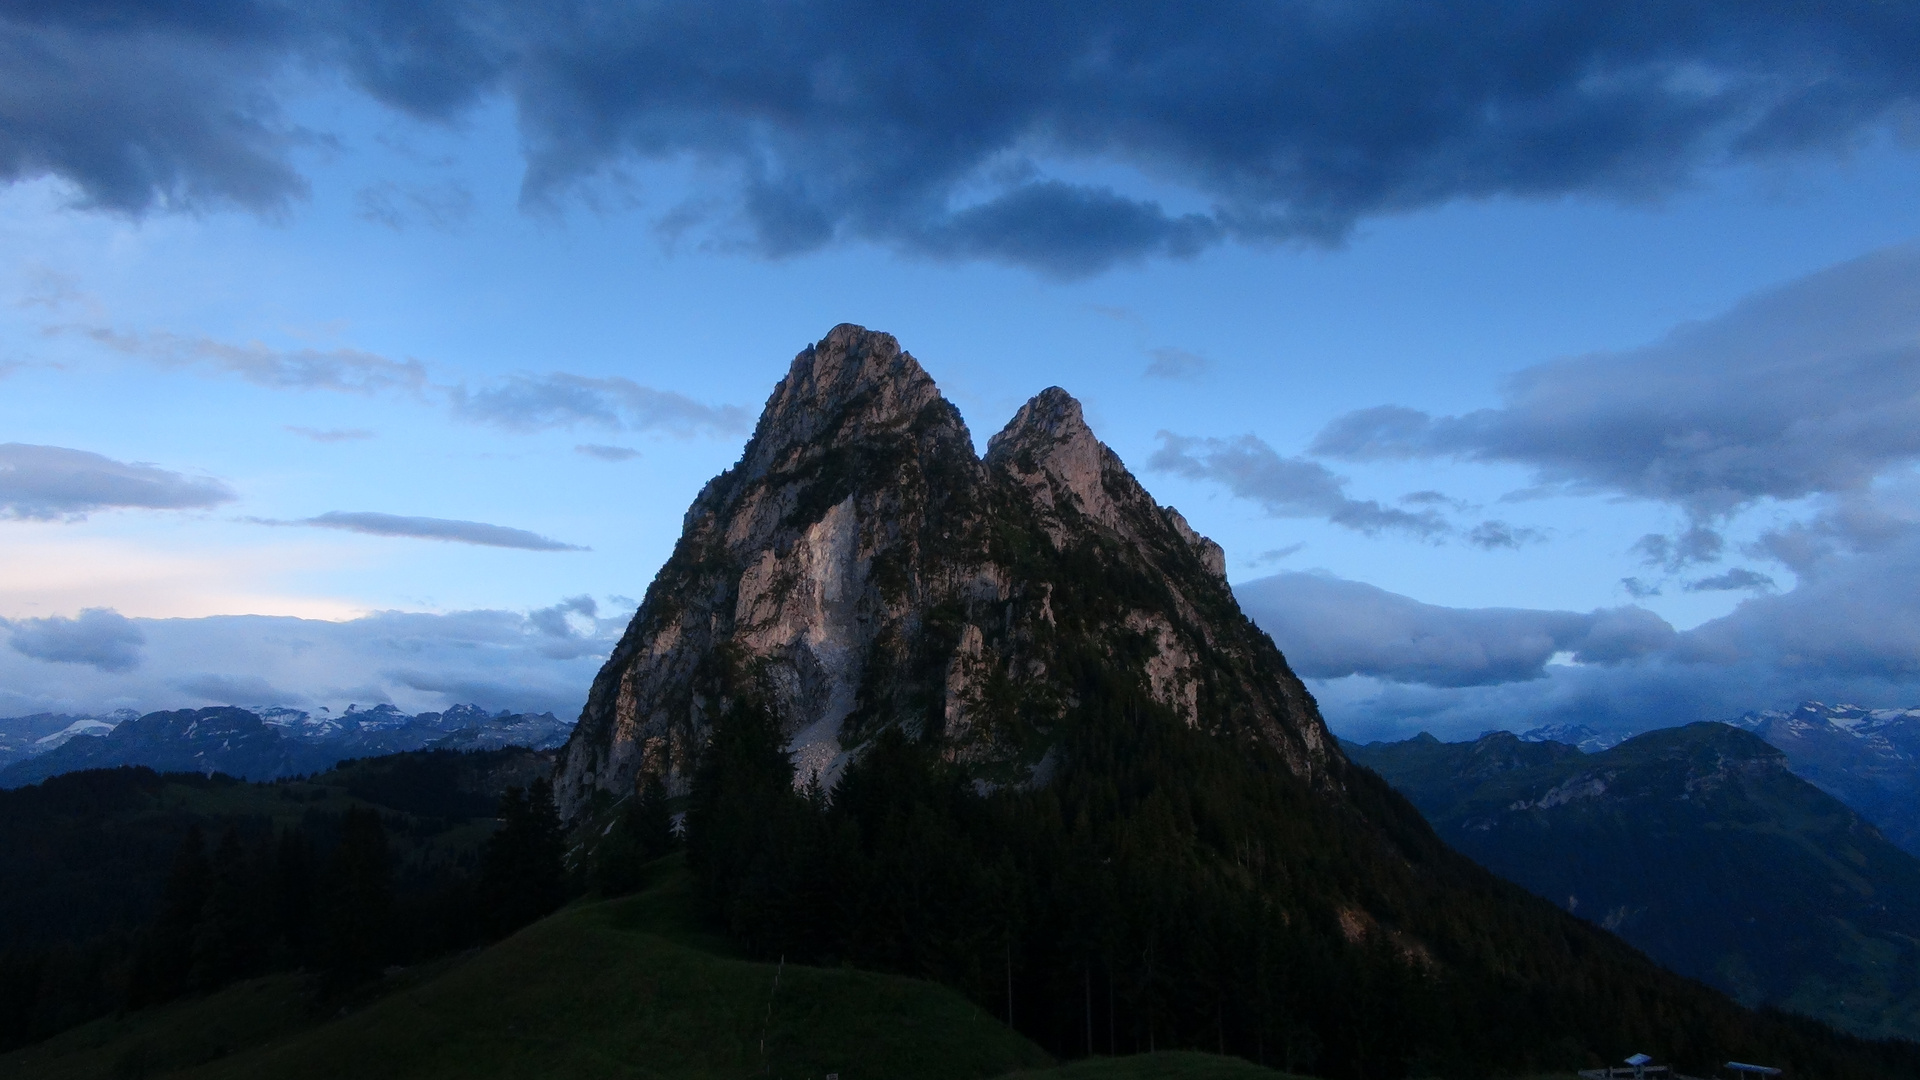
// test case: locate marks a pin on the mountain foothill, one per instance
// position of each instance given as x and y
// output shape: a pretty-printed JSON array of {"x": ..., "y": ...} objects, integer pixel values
[{"x": 982, "y": 746}]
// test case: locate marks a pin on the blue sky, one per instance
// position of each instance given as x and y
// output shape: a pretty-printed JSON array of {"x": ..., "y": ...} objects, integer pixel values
[{"x": 1447, "y": 313}]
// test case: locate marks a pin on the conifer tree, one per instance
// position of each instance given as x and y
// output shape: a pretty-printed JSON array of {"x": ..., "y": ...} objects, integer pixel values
[
  {"x": 165, "y": 956},
  {"x": 357, "y": 902},
  {"x": 523, "y": 874},
  {"x": 291, "y": 888},
  {"x": 226, "y": 938},
  {"x": 643, "y": 832}
]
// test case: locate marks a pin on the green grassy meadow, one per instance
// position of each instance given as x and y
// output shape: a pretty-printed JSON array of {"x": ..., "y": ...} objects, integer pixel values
[{"x": 620, "y": 988}]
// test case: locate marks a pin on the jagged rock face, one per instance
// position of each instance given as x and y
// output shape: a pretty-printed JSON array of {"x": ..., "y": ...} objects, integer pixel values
[{"x": 861, "y": 568}]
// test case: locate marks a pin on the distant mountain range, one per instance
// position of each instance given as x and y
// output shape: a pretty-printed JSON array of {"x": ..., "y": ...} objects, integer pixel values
[
  {"x": 1866, "y": 758},
  {"x": 264, "y": 744},
  {"x": 1699, "y": 846}
]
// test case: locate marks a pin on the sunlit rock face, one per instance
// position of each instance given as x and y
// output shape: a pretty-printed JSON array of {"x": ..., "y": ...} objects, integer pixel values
[{"x": 862, "y": 568}]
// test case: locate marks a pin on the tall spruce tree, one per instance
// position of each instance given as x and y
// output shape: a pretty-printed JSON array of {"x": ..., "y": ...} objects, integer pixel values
[
  {"x": 642, "y": 833},
  {"x": 165, "y": 957},
  {"x": 357, "y": 903},
  {"x": 523, "y": 873},
  {"x": 226, "y": 941}
]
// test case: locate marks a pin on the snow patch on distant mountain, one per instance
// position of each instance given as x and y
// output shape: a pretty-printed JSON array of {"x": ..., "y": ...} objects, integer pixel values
[
  {"x": 78, "y": 727},
  {"x": 1866, "y": 758},
  {"x": 260, "y": 743},
  {"x": 1580, "y": 735}
]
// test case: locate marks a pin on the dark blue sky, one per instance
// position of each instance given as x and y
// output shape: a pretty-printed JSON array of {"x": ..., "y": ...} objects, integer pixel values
[{"x": 1559, "y": 359}]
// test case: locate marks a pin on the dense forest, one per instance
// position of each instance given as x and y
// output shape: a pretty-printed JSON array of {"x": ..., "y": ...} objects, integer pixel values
[
  {"x": 1171, "y": 889},
  {"x": 145, "y": 887}
]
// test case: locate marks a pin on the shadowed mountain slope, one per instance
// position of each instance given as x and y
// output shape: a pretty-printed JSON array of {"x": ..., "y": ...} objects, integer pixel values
[
  {"x": 999, "y": 722},
  {"x": 1697, "y": 845}
]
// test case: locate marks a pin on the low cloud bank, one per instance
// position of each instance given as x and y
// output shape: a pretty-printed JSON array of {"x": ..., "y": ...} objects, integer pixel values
[
  {"x": 1387, "y": 666},
  {"x": 532, "y": 661}
]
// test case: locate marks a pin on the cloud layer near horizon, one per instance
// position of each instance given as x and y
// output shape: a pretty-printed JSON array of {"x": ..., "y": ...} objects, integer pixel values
[
  {"x": 541, "y": 660},
  {"x": 1387, "y": 666},
  {"x": 970, "y": 130}
]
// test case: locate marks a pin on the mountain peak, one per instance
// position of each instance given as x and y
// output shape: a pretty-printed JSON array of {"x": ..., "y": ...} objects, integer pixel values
[
  {"x": 852, "y": 368},
  {"x": 862, "y": 569}
]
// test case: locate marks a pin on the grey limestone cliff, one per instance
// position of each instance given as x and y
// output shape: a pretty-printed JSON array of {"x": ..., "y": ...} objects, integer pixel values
[{"x": 862, "y": 568}]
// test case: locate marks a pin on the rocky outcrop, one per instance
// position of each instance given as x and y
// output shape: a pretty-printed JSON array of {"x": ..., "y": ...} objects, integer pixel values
[{"x": 861, "y": 568}]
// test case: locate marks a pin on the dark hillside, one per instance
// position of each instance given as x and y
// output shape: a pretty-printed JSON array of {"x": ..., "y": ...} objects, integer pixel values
[
  {"x": 121, "y": 888},
  {"x": 627, "y": 989},
  {"x": 1169, "y": 889},
  {"x": 1697, "y": 845}
]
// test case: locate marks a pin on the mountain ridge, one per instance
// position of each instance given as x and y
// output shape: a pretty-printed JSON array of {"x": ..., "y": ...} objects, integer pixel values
[
  {"x": 271, "y": 743},
  {"x": 1698, "y": 845}
]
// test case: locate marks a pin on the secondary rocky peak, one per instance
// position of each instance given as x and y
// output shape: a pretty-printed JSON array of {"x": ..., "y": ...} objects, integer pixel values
[{"x": 1048, "y": 448}]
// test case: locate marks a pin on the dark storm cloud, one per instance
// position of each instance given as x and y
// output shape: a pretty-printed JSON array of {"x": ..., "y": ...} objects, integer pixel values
[
  {"x": 99, "y": 637},
  {"x": 1285, "y": 487},
  {"x": 47, "y": 483},
  {"x": 1330, "y": 628},
  {"x": 932, "y": 128},
  {"x": 143, "y": 106},
  {"x": 430, "y": 528},
  {"x": 1811, "y": 388}
]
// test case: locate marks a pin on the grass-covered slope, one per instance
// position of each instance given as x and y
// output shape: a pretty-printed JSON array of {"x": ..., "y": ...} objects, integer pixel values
[
  {"x": 1166, "y": 1065},
  {"x": 623, "y": 988}
]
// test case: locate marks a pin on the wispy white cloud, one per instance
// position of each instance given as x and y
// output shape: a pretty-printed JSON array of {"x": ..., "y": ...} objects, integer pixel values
[
  {"x": 428, "y": 528},
  {"x": 1286, "y": 487},
  {"x": 354, "y": 371},
  {"x": 560, "y": 400},
  {"x": 330, "y": 435},
  {"x": 607, "y": 453},
  {"x": 49, "y": 483}
]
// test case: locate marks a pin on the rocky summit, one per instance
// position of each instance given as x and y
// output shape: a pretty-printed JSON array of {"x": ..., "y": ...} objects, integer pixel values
[{"x": 862, "y": 568}]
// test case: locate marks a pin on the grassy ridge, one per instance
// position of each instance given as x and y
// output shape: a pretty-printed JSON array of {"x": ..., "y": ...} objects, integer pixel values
[
  {"x": 1166, "y": 1065},
  {"x": 624, "y": 988}
]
